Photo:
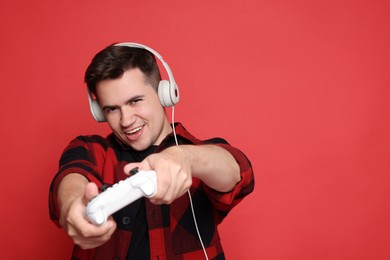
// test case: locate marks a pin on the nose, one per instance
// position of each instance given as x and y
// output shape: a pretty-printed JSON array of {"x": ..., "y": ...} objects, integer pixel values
[{"x": 128, "y": 117}]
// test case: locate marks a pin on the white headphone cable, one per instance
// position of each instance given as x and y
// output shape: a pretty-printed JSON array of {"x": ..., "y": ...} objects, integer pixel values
[{"x": 188, "y": 191}]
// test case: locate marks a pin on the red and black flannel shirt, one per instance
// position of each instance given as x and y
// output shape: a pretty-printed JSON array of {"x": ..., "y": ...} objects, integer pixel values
[{"x": 172, "y": 234}]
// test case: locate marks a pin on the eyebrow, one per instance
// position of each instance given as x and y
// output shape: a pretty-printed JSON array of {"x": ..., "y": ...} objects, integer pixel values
[{"x": 127, "y": 102}]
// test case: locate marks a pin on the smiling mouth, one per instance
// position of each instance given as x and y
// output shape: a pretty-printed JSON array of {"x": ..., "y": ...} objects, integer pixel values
[{"x": 134, "y": 131}]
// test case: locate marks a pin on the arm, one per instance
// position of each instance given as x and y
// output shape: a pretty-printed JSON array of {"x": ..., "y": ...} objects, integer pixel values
[
  {"x": 176, "y": 166},
  {"x": 212, "y": 164},
  {"x": 73, "y": 194}
]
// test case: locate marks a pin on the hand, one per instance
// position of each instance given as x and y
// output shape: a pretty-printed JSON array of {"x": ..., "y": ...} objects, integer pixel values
[
  {"x": 173, "y": 173},
  {"x": 82, "y": 232}
]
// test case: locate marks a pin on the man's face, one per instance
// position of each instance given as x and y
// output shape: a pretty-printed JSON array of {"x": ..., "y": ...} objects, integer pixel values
[{"x": 133, "y": 110}]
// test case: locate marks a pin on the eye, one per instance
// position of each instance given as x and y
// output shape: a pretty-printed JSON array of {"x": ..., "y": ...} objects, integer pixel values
[
  {"x": 135, "y": 100},
  {"x": 110, "y": 109}
]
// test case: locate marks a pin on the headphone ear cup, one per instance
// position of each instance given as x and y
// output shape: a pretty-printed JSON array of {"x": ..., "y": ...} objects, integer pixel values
[
  {"x": 96, "y": 111},
  {"x": 168, "y": 94}
]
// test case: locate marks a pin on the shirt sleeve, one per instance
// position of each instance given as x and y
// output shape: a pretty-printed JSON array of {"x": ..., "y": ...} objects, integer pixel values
[
  {"x": 225, "y": 201},
  {"x": 84, "y": 155}
]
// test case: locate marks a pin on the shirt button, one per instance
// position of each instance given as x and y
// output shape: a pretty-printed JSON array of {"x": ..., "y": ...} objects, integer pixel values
[{"x": 126, "y": 220}]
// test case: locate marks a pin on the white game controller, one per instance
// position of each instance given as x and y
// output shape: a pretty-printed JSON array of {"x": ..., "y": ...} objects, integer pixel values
[{"x": 121, "y": 194}]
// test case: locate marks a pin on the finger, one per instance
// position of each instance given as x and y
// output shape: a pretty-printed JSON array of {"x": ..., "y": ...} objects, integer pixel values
[
  {"x": 132, "y": 166},
  {"x": 93, "y": 241},
  {"x": 111, "y": 224},
  {"x": 165, "y": 187},
  {"x": 89, "y": 231},
  {"x": 91, "y": 190},
  {"x": 171, "y": 187}
]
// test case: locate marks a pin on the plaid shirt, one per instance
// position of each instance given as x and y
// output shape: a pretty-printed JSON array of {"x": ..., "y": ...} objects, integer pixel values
[{"x": 172, "y": 234}]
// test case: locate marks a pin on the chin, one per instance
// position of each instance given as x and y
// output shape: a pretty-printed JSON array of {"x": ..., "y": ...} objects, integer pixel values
[{"x": 139, "y": 147}]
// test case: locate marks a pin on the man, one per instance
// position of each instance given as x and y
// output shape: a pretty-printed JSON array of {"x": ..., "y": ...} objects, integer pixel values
[{"x": 125, "y": 82}]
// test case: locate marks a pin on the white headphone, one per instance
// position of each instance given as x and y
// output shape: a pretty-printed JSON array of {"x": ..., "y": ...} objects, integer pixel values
[{"x": 168, "y": 91}]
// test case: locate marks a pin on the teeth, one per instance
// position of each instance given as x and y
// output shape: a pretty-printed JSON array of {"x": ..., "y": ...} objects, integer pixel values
[{"x": 134, "y": 130}]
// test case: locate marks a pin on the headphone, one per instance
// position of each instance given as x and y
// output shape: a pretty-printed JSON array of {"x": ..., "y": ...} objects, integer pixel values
[{"x": 168, "y": 91}]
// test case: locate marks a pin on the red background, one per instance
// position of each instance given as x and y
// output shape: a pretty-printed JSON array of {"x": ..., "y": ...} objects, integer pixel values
[{"x": 301, "y": 86}]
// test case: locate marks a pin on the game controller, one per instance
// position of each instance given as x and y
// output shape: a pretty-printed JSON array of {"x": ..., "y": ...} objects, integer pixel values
[{"x": 121, "y": 194}]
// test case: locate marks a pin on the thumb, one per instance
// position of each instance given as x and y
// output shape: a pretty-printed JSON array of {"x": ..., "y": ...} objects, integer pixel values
[
  {"x": 91, "y": 190},
  {"x": 133, "y": 166}
]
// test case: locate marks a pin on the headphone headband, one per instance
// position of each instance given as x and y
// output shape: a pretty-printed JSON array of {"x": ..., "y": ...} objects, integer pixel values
[{"x": 155, "y": 53}]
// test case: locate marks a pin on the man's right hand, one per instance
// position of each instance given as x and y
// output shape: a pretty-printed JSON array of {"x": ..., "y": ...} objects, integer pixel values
[{"x": 82, "y": 232}]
